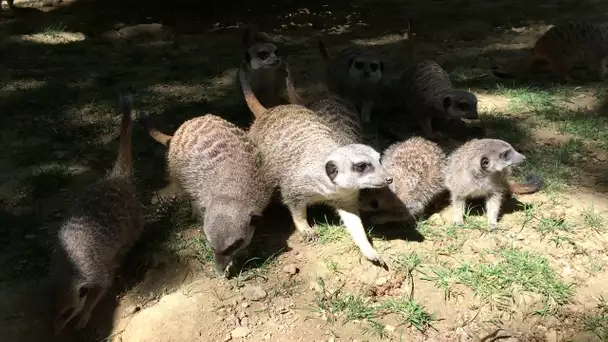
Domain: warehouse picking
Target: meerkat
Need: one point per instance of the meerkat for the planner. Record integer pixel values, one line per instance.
(429, 94)
(354, 74)
(309, 163)
(565, 45)
(102, 227)
(264, 69)
(339, 113)
(481, 168)
(417, 169)
(9, 3)
(218, 168)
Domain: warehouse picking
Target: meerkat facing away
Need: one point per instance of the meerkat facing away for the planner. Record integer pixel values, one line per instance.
(218, 167)
(356, 74)
(417, 169)
(102, 227)
(481, 168)
(264, 69)
(429, 94)
(339, 113)
(565, 45)
(310, 165)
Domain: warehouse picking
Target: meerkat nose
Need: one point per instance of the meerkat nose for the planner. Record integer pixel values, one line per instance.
(388, 180)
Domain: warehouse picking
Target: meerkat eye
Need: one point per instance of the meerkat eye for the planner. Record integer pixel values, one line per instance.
(463, 106)
(505, 154)
(263, 55)
(362, 167)
(373, 67)
(276, 52)
(359, 65)
(485, 162)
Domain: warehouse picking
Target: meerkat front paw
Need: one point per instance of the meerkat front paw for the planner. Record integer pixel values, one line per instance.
(373, 256)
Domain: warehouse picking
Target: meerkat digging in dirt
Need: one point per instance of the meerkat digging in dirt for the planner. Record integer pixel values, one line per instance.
(218, 167)
(481, 168)
(309, 165)
(101, 229)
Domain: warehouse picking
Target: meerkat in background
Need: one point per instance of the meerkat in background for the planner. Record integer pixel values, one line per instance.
(417, 169)
(481, 168)
(429, 94)
(102, 227)
(264, 69)
(565, 45)
(310, 164)
(218, 167)
(354, 74)
(339, 113)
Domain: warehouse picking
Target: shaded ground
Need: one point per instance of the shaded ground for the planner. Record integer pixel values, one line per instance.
(540, 278)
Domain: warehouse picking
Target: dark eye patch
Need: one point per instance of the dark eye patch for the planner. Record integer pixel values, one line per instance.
(362, 167)
(506, 154)
(359, 65)
(233, 247)
(373, 66)
(263, 55)
(374, 204)
(463, 106)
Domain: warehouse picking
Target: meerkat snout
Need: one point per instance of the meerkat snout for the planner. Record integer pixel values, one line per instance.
(461, 104)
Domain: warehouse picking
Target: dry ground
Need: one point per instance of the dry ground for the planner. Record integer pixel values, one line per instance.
(538, 279)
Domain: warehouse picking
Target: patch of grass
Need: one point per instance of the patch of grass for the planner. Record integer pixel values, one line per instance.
(549, 225)
(55, 29)
(592, 219)
(45, 182)
(507, 128)
(330, 233)
(406, 262)
(586, 126)
(332, 266)
(517, 269)
(598, 323)
(534, 98)
(410, 312)
(561, 241)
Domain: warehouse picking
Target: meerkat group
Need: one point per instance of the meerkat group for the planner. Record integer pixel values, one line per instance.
(308, 150)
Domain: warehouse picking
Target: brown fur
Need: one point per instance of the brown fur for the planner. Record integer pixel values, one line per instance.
(101, 228)
(565, 45)
(417, 169)
(481, 168)
(218, 167)
(310, 163)
(338, 113)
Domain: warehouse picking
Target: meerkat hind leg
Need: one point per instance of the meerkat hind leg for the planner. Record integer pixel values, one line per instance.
(355, 228)
(298, 215)
(493, 204)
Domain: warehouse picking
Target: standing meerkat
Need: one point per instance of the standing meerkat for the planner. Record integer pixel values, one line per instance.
(429, 93)
(417, 169)
(565, 45)
(339, 113)
(354, 74)
(102, 227)
(264, 69)
(218, 167)
(481, 168)
(312, 164)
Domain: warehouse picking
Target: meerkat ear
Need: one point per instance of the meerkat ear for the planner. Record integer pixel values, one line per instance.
(331, 169)
(350, 62)
(484, 163)
(447, 102)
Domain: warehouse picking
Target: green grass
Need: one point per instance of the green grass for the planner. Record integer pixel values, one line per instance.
(598, 323)
(409, 312)
(548, 225)
(494, 281)
(330, 233)
(592, 219)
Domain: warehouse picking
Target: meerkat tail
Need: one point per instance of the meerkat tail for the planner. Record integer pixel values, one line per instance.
(292, 93)
(252, 101)
(323, 51)
(532, 184)
(123, 166)
(157, 135)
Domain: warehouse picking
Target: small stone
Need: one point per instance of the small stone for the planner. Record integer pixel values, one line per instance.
(381, 281)
(254, 293)
(290, 269)
(240, 332)
(390, 328)
(244, 305)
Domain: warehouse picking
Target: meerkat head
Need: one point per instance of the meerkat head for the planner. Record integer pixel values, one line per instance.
(460, 104)
(356, 166)
(260, 54)
(229, 226)
(365, 68)
(498, 156)
(69, 297)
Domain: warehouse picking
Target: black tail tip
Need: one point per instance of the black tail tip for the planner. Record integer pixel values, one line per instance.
(534, 180)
